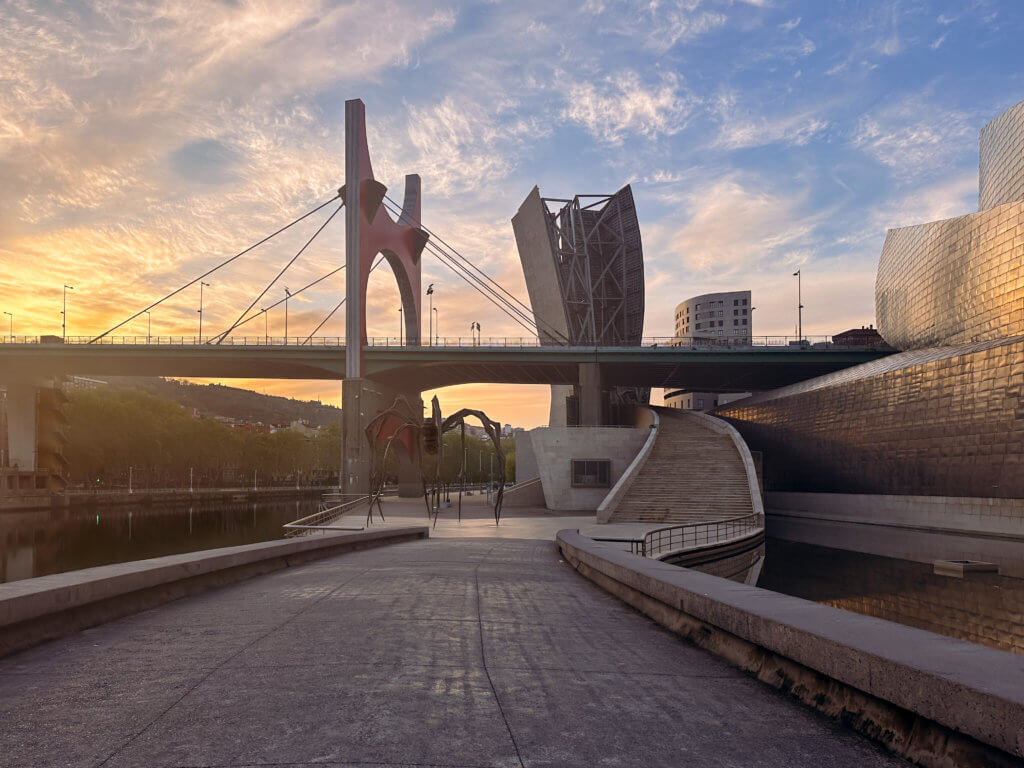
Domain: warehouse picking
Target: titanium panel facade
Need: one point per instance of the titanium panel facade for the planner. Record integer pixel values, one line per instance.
(953, 281)
(1001, 164)
(939, 422)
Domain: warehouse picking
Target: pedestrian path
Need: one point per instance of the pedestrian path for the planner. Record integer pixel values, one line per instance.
(441, 652)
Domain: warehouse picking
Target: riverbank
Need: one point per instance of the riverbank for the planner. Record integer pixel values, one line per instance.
(153, 497)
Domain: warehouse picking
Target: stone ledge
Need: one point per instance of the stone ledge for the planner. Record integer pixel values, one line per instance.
(933, 699)
(46, 607)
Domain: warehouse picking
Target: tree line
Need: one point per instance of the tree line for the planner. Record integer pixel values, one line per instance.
(117, 434)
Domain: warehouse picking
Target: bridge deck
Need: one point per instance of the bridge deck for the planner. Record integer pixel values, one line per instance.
(702, 368)
(447, 652)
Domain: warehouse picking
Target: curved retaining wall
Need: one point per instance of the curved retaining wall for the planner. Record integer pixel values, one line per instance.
(933, 699)
(47, 607)
(618, 491)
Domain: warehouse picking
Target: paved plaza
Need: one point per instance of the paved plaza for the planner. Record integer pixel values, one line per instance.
(441, 652)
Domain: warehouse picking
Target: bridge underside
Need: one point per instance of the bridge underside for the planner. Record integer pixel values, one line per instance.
(426, 368)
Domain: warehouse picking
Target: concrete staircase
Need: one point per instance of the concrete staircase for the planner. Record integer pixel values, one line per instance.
(692, 474)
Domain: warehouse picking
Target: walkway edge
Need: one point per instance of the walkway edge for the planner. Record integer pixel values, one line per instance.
(35, 610)
(935, 700)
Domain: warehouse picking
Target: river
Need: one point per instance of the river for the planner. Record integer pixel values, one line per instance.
(39, 543)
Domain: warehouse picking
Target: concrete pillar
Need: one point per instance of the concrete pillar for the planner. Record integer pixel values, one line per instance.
(357, 408)
(21, 423)
(557, 414)
(361, 400)
(590, 395)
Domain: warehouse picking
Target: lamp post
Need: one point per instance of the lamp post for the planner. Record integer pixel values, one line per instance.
(437, 325)
(287, 295)
(472, 334)
(64, 314)
(799, 308)
(400, 343)
(430, 315)
(149, 326)
(12, 325)
(201, 286)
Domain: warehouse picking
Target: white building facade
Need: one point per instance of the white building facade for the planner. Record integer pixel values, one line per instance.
(726, 316)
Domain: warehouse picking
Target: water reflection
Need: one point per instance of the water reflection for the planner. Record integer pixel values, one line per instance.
(53, 541)
(986, 608)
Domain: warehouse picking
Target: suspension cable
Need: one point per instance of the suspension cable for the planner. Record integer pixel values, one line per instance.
(337, 307)
(490, 296)
(515, 302)
(277, 277)
(224, 263)
(520, 316)
(279, 302)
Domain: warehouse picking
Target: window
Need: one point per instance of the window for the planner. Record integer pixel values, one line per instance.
(721, 313)
(735, 322)
(744, 321)
(721, 323)
(700, 402)
(744, 312)
(744, 302)
(698, 326)
(591, 473)
(735, 312)
(735, 302)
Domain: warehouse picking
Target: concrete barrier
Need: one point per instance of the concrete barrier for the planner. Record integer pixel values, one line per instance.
(611, 502)
(35, 610)
(935, 700)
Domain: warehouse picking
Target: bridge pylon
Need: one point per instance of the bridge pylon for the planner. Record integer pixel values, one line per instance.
(369, 230)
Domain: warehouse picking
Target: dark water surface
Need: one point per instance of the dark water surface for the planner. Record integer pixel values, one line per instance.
(985, 608)
(53, 541)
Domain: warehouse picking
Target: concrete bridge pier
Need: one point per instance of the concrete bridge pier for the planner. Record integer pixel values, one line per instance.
(361, 400)
(590, 396)
(21, 423)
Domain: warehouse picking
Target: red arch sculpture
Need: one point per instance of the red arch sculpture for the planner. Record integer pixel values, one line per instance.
(371, 230)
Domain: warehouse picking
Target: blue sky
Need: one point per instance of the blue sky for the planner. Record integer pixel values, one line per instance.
(140, 143)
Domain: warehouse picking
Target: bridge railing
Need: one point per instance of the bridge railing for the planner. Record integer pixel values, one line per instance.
(697, 343)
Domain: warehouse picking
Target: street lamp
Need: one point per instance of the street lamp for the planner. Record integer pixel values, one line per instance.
(799, 308)
(430, 315)
(12, 325)
(149, 326)
(287, 295)
(400, 343)
(266, 327)
(64, 314)
(201, 286)
(437, 325)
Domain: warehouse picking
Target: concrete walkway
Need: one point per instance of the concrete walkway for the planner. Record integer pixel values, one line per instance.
(447, 652)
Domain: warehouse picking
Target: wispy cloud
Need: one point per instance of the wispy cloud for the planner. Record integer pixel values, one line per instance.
(914, 137)
(622, 105)
(740, 130)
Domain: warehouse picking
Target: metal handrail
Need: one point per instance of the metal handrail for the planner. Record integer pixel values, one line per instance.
(324, 514)
(676, 538)
(669, 343)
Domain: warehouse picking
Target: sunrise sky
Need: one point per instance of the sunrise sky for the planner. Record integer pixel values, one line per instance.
(143, 142)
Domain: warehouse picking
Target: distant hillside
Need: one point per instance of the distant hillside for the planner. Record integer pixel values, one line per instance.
(232, 402)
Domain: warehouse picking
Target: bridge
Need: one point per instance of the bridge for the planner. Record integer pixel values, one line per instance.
(669, 362)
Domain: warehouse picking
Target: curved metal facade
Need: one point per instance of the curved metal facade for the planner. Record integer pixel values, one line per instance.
(937, 422)
(953, 281)
(1001, 165)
